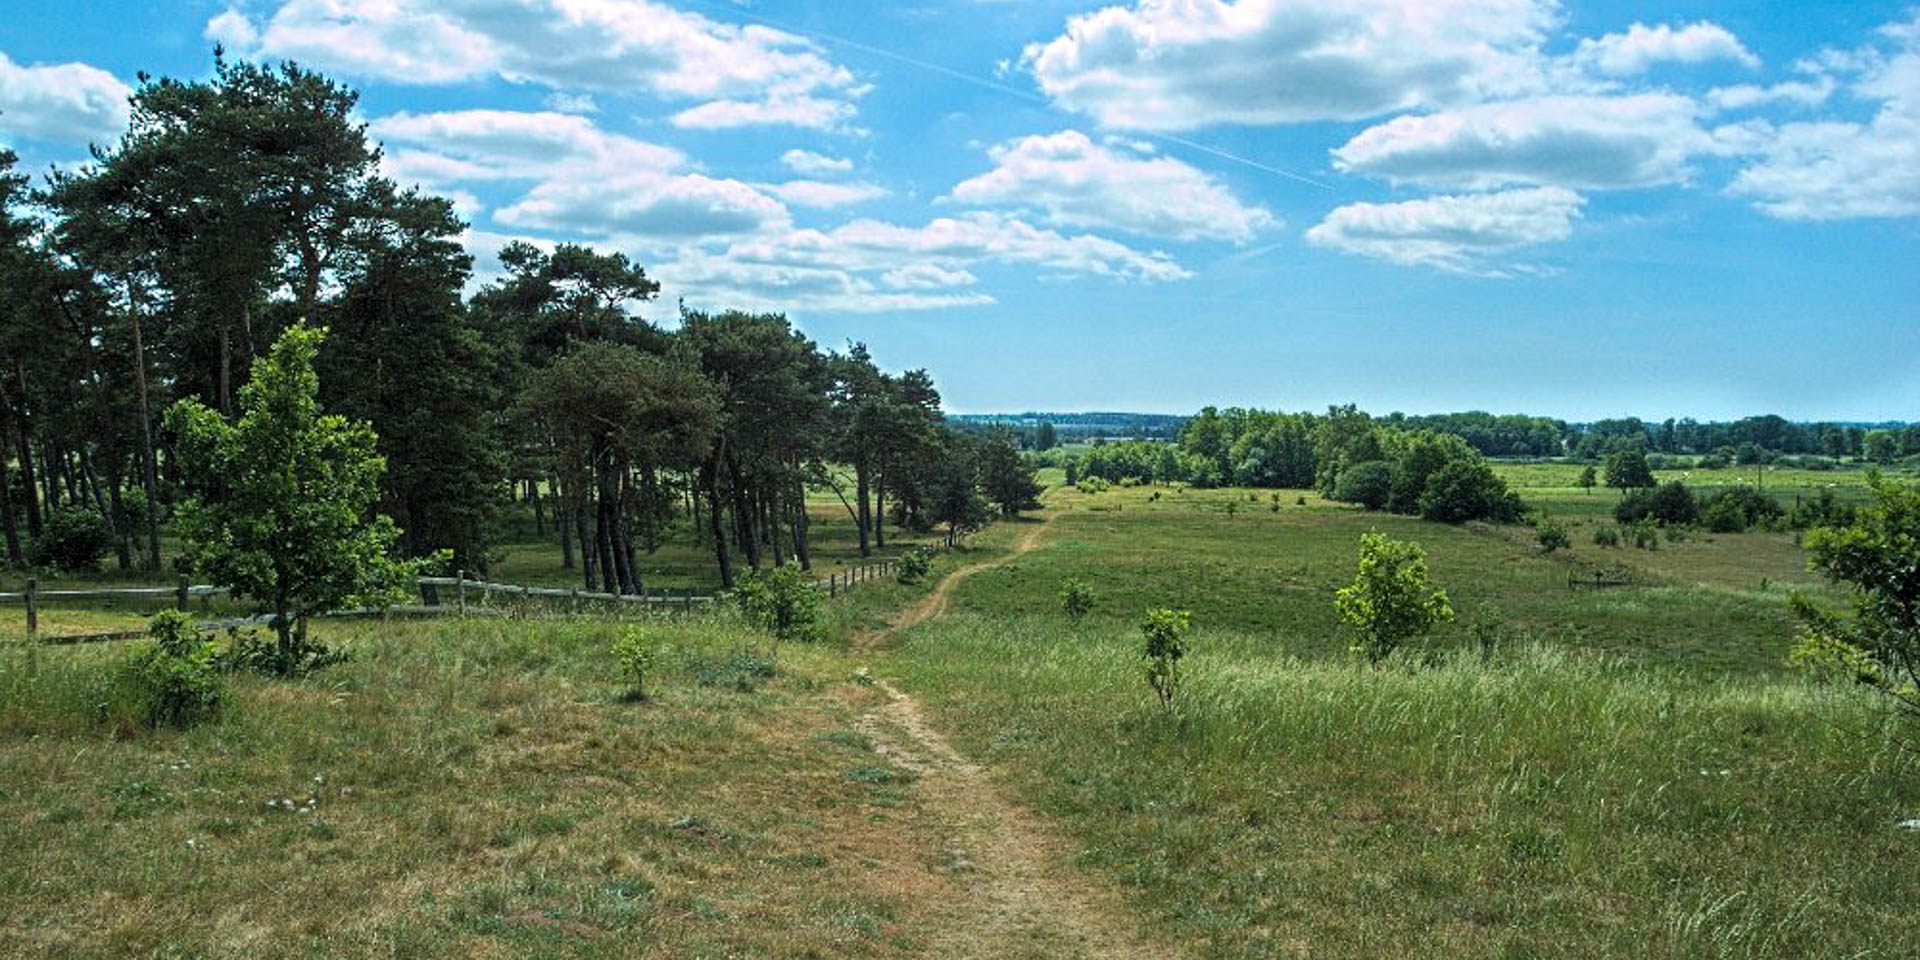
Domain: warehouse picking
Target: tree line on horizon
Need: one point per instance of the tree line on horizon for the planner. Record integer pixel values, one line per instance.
(240, 206)
(1749, 440)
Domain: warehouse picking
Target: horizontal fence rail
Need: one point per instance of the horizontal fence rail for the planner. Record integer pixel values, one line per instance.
(486, 595)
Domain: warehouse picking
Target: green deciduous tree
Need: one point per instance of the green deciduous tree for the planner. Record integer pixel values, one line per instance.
(1391, 600)
(281, 500)
(1878, 557)
(1628, 470)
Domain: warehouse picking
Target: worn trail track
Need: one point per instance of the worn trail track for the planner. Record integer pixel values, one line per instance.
(1023, 897)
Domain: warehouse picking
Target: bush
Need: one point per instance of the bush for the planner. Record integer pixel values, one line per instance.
(637, 653)
(1644, 534)
(1673, 504)
(1391, 599)
(1166, 635)
(1606, 537)
(1076, 598)
(1737, 508)
(1824, 510)
(254, 652)
(1368, 484)
(913, 566)
(1552, 536)
(782, 602)
(73, 539)
(1669, 503)
(174, 681)
(1468, 490)
(1875, 557)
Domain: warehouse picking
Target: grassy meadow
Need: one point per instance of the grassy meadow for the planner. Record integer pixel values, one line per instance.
(478, 789)
(1625, 772)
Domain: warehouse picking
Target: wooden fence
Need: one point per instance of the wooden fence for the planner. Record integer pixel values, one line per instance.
(468, 598)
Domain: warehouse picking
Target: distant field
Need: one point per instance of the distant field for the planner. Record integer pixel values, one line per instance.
(1714, 602)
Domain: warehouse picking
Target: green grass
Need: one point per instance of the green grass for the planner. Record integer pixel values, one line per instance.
(460, 790)
(1631, 773)
(1545, 803)
(1712, 602)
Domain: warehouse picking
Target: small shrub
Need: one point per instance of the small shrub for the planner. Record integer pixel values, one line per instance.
(73, 540)
(1606, 536)
(1644, 535)
(1736, 508)
(1166, 636)
(739, 671)
(1076, 598)
(1391, 599)
(173, 682)
(1300, 501)
(1552, 536)
(637, 653)
(913, 567)
(251, 651)
(781, 602)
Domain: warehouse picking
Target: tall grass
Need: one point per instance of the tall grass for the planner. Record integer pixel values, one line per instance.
(1537, 802)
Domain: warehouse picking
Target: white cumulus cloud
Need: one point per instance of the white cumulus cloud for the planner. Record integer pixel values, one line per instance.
(585, 180)
(1070, 180)
(1185, 64)
(64, 103)
(1468, 233)
(1835, 170)
(1583, 142)
(809, 164)
(742, 74)
(1638, 49)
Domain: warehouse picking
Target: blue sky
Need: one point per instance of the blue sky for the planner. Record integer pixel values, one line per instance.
(1580, 209)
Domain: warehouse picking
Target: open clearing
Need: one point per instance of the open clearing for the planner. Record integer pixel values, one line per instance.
(1627, 772)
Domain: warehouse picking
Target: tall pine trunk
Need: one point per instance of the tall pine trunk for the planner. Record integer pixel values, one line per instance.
(148, 484)
(861, 490)
(14, 557)
(581, 497)
(801, 549)
(710, 479)
(560, 523)
(122, 546)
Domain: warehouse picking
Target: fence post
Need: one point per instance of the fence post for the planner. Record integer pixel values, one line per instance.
(833, 584)
(180, 595)
(575, 606)
(689, 607)
(460, 591)
(33, 606)
(526, 602)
